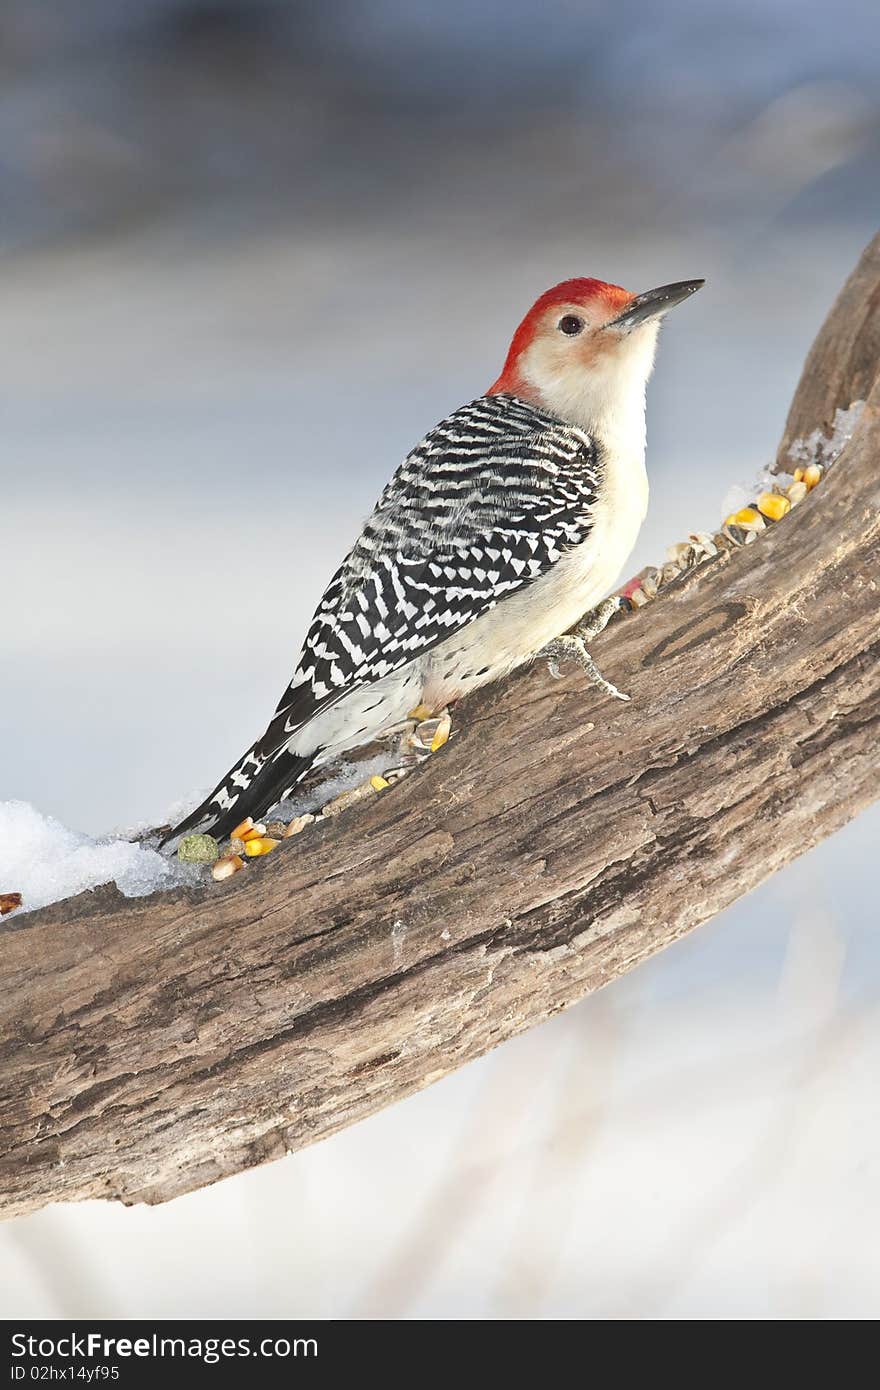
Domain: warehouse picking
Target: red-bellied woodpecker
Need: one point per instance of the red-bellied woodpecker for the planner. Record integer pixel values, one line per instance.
(509, 521)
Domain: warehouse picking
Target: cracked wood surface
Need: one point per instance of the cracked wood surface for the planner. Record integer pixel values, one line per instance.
(153, 1045)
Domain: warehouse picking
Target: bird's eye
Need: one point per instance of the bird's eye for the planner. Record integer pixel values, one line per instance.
(571, 325)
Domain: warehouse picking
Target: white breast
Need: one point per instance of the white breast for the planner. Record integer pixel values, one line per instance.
(617, 516)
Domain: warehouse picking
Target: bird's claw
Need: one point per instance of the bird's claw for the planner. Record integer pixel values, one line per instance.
(573, 648)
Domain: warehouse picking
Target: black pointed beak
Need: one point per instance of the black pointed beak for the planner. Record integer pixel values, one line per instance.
(654, 303)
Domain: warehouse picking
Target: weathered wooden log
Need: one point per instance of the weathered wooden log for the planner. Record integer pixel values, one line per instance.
(150, 1046)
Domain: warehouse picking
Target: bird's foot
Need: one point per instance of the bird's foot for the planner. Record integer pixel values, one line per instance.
(573, 647)
(596, 621)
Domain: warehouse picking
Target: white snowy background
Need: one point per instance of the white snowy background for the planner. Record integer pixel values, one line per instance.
(250, 252)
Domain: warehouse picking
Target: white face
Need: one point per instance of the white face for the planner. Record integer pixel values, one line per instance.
(586, 370)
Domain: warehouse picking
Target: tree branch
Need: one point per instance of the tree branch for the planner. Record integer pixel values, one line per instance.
(842, 365)
(155, 1045)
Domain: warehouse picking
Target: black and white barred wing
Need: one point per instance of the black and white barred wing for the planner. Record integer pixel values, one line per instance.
(488, 502)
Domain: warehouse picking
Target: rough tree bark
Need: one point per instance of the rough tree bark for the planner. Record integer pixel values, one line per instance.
(151, 1046)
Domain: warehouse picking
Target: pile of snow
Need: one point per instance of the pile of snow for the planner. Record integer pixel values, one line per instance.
(819, 448)
(45, 862)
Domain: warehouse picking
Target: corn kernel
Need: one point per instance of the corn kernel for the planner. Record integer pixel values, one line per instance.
(242, 828)
(256, 832)
(441, 735)
(227, 866)
(797, 492)
(262, 844)
(812, 475)
(748, 518)
(378, 783)
(298, 825)
(799, 475)
(771, 505)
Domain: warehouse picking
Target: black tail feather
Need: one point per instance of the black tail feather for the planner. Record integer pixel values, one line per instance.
(251, 788)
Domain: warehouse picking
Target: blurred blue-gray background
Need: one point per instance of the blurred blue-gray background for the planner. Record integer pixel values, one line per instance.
(250, 252)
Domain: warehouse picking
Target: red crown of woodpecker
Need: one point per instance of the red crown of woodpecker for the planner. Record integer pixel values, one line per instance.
(588, 293)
